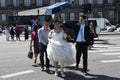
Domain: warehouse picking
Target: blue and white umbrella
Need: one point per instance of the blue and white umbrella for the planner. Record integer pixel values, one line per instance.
(57, 7)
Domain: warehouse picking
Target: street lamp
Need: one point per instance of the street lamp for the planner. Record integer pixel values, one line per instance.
(15, 17)
(38, 12)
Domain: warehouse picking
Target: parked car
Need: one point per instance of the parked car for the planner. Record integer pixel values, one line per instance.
(69, 28)
(117, 25)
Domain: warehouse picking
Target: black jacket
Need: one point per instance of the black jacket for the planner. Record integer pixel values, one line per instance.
(87, 34)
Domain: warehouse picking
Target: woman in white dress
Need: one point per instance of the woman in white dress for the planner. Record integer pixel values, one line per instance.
(7, 32)
(58, 49)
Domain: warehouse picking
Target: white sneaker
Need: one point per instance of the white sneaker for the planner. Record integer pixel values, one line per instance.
(56, 73)
(63, 74)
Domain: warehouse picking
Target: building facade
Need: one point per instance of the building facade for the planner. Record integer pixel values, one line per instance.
(109, 9)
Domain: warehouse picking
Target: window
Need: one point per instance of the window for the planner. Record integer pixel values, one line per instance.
(90, 15)
(3, 3)
(90, 1)
(81, 2)
(72, 16)
(52, 1)
(81, 13)
(110, 1)
(63, 16)
(99, 14)
(15, 3)
(100, 1)
(27, 2)
(62, 0)
(39, 2)
(3, 17)
(72, 1)
(111, 14)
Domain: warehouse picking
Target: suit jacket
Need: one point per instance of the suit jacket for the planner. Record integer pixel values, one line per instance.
(86, 33)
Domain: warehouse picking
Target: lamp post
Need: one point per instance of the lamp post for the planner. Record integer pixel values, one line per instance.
(16, 17)
(38, 12)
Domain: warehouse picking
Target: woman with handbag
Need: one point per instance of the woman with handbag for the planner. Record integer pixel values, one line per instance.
(34, 40)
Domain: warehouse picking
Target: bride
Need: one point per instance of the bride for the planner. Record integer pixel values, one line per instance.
(58, 49)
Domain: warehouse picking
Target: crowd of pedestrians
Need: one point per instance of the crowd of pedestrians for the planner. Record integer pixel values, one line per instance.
(15, 31)
(52, 44)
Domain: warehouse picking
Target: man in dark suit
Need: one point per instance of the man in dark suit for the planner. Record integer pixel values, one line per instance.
(82, 39)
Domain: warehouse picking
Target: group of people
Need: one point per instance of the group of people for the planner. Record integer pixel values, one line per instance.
(57, 51)
(12, 31)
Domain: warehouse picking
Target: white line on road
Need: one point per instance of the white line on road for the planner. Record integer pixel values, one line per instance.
(104, 51)
(111, 53)
(16, 74)
(108, 61)
(105, 47)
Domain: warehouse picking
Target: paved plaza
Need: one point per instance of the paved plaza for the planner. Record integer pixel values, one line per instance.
(103, 61)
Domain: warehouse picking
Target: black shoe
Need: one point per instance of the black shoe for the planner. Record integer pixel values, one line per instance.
(48, 71)
(42, 69)
(76, 67)
(85, 73)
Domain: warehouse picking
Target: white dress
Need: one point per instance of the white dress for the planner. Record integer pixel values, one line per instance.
(59, 49)
(7, 33)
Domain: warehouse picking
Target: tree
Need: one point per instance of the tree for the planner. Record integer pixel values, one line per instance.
(86, 8)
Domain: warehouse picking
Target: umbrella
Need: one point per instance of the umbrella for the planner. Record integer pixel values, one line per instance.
(57, 7)
(32, 12)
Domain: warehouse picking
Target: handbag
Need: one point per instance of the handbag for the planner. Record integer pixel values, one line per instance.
(30, 54)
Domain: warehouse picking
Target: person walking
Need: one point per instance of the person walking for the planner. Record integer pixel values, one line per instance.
(7, 32)
(12, 32)
(82, 39)
(17, 32)
(43, 41)
(26, 33)
(0, 30)
(34, 41)
(93, 34)
(59, 51)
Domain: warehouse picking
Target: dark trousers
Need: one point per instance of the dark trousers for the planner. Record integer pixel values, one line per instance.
(42, 50)
(81, 49)
(92, 40)
(12, 36)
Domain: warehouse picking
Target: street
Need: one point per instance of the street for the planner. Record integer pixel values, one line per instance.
(103, 61)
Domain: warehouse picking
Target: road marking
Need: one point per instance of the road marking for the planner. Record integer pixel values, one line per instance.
(104, 51)
(105, 47)
(114, 47)
(16, 74)
(108, 61)
(111, 53)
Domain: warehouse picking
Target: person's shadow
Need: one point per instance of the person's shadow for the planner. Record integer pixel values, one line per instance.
(75, 76)
(71, 75)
